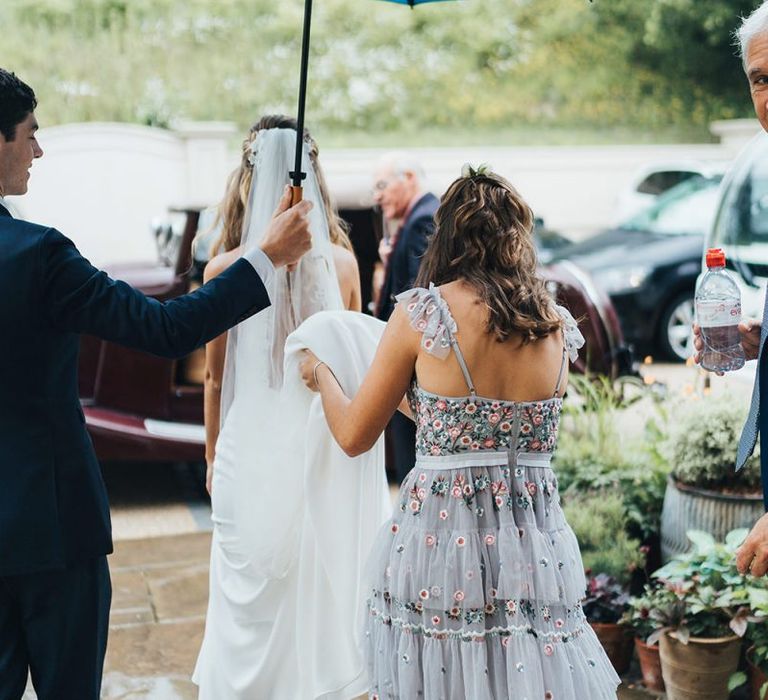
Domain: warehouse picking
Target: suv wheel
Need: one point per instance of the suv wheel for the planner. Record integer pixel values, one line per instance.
(675, 334)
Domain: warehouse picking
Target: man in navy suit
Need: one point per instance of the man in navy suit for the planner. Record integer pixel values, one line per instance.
(752, 556)
(399, 190)
(54, 517)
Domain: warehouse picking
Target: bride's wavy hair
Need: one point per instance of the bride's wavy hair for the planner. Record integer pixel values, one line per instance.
(231, 214)
(484, 236)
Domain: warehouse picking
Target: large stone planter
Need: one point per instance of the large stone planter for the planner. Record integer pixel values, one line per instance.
(689, 508)
(700, 669)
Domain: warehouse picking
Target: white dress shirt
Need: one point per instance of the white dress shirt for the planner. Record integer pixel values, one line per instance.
(263, 266)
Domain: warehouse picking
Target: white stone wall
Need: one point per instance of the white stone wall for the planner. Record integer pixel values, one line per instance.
(103, 184)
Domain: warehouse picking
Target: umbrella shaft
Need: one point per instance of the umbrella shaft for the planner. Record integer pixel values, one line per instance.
(297, 174)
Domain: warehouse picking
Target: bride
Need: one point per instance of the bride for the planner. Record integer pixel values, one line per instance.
(253, 434)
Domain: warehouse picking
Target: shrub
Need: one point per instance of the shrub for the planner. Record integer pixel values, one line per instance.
(597, 520)
(702, 445)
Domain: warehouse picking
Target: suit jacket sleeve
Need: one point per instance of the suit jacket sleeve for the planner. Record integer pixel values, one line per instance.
(79, 298)
(418, 238)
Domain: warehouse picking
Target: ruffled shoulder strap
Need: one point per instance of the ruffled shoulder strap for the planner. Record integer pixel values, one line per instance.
(429, 315)
(574, 340)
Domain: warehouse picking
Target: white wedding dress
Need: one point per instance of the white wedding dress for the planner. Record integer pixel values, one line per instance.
(294, 518)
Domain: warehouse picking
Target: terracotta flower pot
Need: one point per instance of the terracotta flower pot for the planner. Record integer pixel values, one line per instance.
(617, 643)
(650, 665)
(700, 669)
(757, 677)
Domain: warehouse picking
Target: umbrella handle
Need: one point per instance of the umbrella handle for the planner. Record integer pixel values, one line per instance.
(296, 194)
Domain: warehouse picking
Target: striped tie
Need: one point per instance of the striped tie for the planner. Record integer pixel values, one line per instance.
(749, 433)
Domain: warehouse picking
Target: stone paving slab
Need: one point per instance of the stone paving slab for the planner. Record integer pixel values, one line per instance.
(158, 616)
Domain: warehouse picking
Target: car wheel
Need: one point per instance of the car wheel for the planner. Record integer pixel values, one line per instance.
(675, 334)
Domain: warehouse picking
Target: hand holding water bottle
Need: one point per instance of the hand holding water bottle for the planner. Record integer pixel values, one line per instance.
(721, 340)
(750, 339)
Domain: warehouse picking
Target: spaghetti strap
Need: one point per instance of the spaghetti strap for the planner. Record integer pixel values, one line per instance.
(561, 372)
(463, 365)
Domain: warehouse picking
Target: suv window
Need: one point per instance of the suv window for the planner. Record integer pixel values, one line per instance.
(657, 183)
(743, 218)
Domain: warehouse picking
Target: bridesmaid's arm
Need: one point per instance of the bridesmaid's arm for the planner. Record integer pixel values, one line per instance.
(357, 423)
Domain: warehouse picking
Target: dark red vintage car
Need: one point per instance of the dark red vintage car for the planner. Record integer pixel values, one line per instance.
(141, 407)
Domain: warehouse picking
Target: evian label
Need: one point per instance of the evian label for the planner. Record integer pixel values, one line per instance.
(713, 314)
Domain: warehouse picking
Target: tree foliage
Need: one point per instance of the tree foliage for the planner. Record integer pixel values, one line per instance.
(378, 66)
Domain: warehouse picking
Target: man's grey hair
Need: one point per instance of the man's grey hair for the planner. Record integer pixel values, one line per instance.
(751, 27)
(402, 162)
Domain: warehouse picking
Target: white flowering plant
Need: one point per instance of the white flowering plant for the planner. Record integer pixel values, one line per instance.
(702, 443)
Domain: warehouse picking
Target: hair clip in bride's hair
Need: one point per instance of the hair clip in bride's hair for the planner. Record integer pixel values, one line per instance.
(254, 150)
(255, 147)
(468, 170)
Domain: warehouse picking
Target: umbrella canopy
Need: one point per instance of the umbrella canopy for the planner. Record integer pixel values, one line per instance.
(412, 2)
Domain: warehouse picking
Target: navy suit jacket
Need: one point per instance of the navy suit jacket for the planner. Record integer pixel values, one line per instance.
(405, 259)
(53, 504)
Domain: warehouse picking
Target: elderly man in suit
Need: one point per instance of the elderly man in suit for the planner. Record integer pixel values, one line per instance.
(54, 517)
(399, 190)
(752, 556)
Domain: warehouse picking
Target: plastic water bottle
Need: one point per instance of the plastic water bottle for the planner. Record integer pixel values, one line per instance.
(718, 313)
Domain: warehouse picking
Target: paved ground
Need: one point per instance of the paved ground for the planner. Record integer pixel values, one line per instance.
(160, 566)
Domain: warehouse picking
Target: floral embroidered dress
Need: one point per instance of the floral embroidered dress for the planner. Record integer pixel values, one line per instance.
(476, 581)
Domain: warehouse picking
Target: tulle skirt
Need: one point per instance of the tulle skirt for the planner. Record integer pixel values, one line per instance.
(474, 592)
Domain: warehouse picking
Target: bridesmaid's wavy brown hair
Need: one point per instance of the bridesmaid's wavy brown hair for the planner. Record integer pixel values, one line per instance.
(484, 236)
(232, 209)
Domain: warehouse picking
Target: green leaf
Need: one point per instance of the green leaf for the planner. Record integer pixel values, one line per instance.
(763, 690)
(758, 598)
(735, 537)
(736, 680)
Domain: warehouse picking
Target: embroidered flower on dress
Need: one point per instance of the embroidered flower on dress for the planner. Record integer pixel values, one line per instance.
(458, 596)
(424, 594)
(443, 515)
(549, 649)
(395, 527)
(490, 540)
(460, 541)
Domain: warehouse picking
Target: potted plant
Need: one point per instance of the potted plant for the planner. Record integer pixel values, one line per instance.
(594, 456)
(610, 557)
(757, 636)
(703, 623)
(604, 604)
(704, 492)
(645, 615)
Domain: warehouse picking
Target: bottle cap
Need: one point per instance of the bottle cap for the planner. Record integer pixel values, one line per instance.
(715, 257)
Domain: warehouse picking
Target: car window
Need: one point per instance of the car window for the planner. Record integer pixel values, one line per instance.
(659, 182)
(749, 215)
(686, 209)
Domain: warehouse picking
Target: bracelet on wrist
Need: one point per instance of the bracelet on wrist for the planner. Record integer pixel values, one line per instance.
(314, 372)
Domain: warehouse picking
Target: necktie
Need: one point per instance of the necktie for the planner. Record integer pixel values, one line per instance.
(750, 430)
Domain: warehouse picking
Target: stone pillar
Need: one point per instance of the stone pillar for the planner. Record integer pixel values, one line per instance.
(209, 159)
